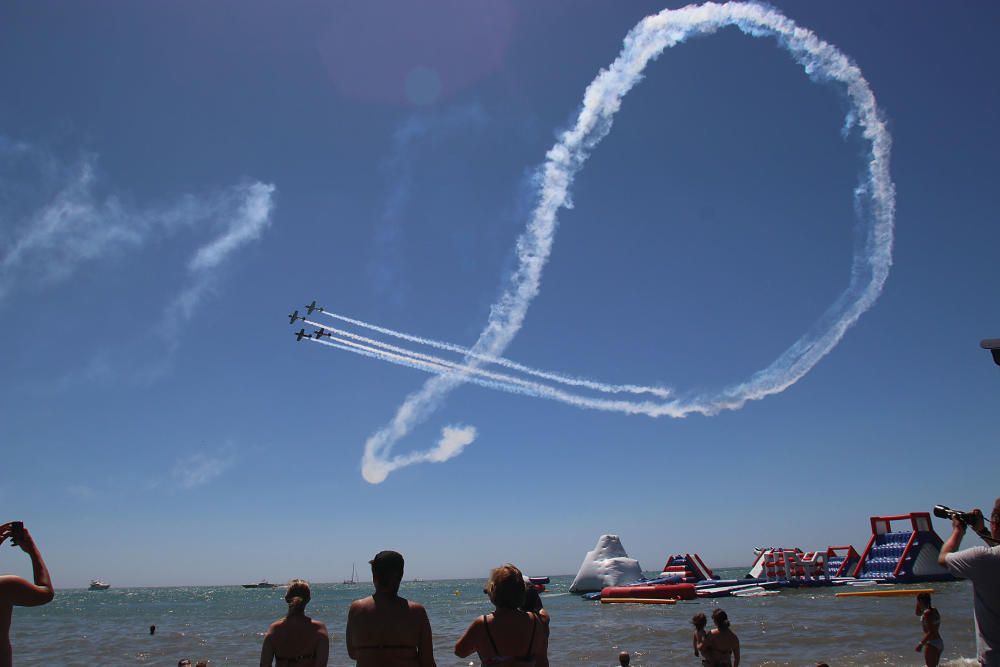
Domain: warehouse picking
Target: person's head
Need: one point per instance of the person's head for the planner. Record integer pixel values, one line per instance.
(183, 662)
(387, 571)
(297, 596)
(532, 600)
(699, 621)
(202, 663)
(623, 658)
(720, 618)
(923, 602)
(506, 587)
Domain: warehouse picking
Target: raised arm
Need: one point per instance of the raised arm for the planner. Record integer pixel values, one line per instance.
(954, 541)
(467, 643)
(19, 591)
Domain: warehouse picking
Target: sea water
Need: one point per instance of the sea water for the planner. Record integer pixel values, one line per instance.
(225, 625)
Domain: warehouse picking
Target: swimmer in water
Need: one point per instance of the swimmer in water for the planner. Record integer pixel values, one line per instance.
(930, 621)
(721, 647)
(699, 622)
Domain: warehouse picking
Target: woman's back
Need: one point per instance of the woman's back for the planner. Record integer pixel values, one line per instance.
(510, 635)
(515, 637)
(295, 641)
(723, 645)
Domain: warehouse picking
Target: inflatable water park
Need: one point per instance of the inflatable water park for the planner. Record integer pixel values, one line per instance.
(902, 549)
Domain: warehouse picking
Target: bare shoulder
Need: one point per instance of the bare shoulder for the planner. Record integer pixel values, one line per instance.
(320, 627)
(361, 605)
(417, 609)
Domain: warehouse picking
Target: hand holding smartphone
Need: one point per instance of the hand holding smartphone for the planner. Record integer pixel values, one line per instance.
(16, 532)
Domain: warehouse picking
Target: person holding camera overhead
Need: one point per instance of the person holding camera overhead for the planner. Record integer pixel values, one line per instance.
(981, 566)
(17, 591)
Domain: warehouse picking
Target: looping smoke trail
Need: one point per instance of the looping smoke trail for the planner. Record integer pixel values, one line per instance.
(602, 99)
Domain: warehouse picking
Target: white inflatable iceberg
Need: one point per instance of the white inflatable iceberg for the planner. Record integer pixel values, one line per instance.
(606, 565)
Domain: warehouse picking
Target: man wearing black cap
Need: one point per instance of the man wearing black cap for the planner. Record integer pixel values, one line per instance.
(385, 630)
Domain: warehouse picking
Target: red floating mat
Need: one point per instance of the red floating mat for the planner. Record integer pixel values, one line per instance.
(655, 591)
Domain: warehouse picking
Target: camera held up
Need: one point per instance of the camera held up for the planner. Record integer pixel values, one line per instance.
(945, 512)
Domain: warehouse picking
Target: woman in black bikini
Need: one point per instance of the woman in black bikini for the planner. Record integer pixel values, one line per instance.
(296, 640)
(509, 635)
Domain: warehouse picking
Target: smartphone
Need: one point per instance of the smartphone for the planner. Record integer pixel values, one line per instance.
(16, 532)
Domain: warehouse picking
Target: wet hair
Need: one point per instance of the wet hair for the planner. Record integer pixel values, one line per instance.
(506, 587)
(623, 658)
(720, 618)
(925, 598)
(699, 621)
(297, 596)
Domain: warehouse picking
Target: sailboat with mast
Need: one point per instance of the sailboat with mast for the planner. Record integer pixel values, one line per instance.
(353, 579)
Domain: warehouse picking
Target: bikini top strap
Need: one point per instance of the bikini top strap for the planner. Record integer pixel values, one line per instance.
(486, 624)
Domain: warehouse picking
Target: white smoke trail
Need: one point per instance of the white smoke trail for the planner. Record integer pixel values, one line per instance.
(602, 99)
(376, 349)
(662, 392)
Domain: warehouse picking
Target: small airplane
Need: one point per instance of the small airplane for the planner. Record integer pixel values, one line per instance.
(312, 306)
(300, 334)
(993, 345)
(294, 315)
(319, 333)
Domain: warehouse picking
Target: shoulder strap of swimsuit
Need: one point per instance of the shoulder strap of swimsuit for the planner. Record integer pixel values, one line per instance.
(534, 626)
(486, 624)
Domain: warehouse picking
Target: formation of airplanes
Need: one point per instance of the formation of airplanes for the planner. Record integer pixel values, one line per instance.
(301, 333)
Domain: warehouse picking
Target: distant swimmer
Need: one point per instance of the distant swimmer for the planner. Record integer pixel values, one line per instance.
(624, 658)
(384, 629)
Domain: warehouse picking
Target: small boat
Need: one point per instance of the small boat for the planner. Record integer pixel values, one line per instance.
(353, 579)
(263, 583)
(98, 585)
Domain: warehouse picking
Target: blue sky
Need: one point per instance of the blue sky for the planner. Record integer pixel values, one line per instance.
(174, 179)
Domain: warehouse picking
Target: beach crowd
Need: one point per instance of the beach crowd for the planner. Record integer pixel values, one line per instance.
(386, 630)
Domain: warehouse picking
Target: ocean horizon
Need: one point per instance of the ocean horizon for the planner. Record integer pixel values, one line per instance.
(225, 625)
